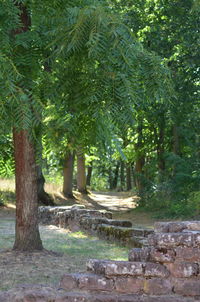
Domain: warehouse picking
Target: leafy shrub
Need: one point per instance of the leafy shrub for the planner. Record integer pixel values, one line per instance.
(193, 203)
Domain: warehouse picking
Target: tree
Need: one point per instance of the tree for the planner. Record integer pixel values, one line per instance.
(170, 29)
(68, 174)
(114, 73)
(27, 235)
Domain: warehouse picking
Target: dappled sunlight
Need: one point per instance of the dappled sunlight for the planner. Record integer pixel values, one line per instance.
(115, 202)
(11, 206)
(78, 235)
(7, 184)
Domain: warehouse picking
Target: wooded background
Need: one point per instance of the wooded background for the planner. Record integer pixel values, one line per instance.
(104, 95)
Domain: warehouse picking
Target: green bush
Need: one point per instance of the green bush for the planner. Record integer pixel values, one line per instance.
(193, 203)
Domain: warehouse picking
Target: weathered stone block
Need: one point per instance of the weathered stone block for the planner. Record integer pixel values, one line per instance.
(72, 297)
(95, 283)
(103, 298)
(168, 298)
(193, 225)
(114, 232)
(122, 223)
(63, 219)
(116, 268)
(29, 293)
(161, 227)
(157, 286)
(129, 285)
(187, 287)
(139, 254)
(177, 227)
(155, 270)
(73, 224)
(170, 240)
(196, 239)
(124, 268)
(56, 218)
(170, 227)
(78, 212)
(138, 242)
(183, 269)
(162, 255)
(115, 298)
(188, 254)
(130, 298)
(96, 266)
(69, 281)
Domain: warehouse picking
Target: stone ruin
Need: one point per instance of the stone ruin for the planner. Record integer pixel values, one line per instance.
(95, 222)
(167, 270)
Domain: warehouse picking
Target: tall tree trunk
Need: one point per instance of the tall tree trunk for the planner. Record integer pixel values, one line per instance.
(27, 237)
(140, 160)
(128, 177)
(89, 174)
(81, 174)
(116, 174)
(122, 177)
(68, 175)
(43, 196)
(139, 164)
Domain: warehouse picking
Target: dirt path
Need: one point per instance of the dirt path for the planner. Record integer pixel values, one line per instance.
(111, 201)
(122, 204)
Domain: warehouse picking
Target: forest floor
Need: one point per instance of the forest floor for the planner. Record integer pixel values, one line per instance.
(70, 253)
(71, 250)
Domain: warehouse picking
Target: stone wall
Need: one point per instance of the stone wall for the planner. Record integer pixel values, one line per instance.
(168, 270)
(95, 222)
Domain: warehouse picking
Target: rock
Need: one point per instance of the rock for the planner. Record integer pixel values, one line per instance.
(157, 286)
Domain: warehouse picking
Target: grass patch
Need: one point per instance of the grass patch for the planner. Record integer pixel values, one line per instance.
(83, 246)
(76, 249)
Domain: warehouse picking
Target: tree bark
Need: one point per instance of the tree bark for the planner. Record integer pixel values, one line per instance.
(140, 160)
(139, 164)
(116, 174)
(43, 197)
(89, 175)
(81, 175)
(68, 175)
(128, 177)
(122, 177)
(27, 237)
